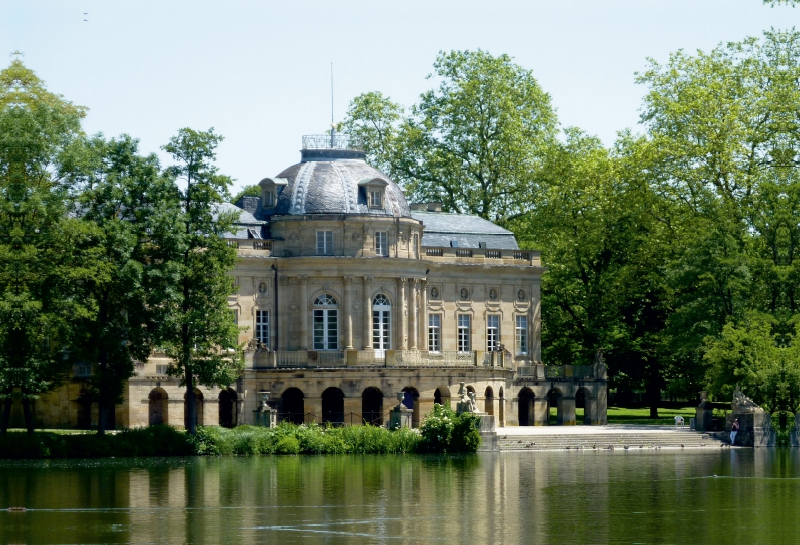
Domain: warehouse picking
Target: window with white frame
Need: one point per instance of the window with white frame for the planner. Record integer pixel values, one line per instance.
(415, 245)
(376, 198)
(435, 332)
(522, 334)
(464, 344)
(262, 327)
(382, 243)
(381, 322)
(269, 199)
(324, 242)
(326, 323)
(492, 333)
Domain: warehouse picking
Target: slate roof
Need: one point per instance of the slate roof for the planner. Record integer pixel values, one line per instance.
(468, 231)
(247, 226)
(331, 187)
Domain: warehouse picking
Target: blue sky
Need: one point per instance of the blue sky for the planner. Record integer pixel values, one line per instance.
(258, 71)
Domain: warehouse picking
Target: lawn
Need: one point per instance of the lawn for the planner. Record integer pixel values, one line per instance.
(620, 415)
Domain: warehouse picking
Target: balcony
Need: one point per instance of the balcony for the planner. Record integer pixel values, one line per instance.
(557, 372)
(483, 256)
(252, 246)
(332, 359)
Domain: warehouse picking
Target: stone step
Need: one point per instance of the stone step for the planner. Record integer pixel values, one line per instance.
(605, 440)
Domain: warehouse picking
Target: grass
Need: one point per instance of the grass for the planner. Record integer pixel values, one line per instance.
(622, 415)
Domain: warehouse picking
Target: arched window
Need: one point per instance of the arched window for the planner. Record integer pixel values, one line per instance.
(381, 322)
(326, 323)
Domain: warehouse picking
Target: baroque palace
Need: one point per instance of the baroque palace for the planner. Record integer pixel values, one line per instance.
(351, 296)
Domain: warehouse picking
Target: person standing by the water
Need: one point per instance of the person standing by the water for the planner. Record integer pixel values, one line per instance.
(734, 430)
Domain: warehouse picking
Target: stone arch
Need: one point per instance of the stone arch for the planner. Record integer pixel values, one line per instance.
(411, 401)
(372, 406)
(526, 416)
(488, 401)
(442, 396)
(228, 415)
(198, 408)
(158, 407)
(292, 406)
(583, 400)
(555, 398)
(333, 406)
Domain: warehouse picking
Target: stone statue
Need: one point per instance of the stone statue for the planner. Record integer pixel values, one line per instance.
(473, 403)
(743, 404)
(464, 403)
(600, 369)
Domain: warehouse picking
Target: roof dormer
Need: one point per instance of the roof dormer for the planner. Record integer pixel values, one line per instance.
(375, 191)
(270, 190)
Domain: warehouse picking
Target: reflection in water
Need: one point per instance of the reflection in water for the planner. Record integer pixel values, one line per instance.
(571, 497)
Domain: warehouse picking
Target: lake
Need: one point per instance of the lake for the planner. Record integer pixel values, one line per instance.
(666, 496)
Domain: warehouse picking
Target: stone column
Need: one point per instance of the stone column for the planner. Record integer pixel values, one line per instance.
(352, 411)
(566, 411)
(367, 280)
(347, 314)
(401, 311)
(535, 325)
(540, 416)
(413, 311)
(313, 410)
(423, 315)
(303, 311)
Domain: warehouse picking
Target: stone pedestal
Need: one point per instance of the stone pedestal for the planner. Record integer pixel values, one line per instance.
(265, 417)
(487, 422)
(400, 417)
(704, 416)
(755, 428)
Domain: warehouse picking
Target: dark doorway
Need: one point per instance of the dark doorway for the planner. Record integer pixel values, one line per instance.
(158, 407)
(372, 406)
(488, 402)
(292, 406)
(198, 408)
(333, 406)
(553, 400)
(227, 408)
(411, 401)
(525, 407)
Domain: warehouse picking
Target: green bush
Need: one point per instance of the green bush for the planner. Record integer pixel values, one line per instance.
(445, 431)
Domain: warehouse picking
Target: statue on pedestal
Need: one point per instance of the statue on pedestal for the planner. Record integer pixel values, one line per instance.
(743, 404)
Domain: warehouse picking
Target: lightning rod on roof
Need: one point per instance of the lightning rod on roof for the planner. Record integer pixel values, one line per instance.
(333, 127)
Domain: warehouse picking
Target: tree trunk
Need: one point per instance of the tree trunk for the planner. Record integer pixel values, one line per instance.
(26, 409)
(653, 393)
(191, 409)
(102, 416)
(6, 415)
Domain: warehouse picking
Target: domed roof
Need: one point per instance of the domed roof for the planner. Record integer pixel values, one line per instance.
(336, 181)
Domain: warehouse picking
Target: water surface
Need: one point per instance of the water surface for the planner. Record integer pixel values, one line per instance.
(719, 496)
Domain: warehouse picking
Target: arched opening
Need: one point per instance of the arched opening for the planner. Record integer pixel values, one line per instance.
(292, 407)
(411, 401)
(555, 417)
(333, 406)
(488, 402)
(198, 408)
(158, 407)
(501, 410)
(583, 401)
(227, 408)
(372, 406)
(84, 411)
(326, 323)
(381, 323)
(442, 396)
(526, 415)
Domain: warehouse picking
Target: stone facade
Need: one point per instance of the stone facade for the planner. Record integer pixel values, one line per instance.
(349, 296)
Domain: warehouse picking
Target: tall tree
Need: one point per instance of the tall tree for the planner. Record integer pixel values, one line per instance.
(197, 328)
(476, 143)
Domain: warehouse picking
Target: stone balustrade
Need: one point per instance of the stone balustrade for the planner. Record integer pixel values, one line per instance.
(305, 359)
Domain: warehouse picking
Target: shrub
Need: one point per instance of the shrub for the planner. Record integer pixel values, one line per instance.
(445, 431)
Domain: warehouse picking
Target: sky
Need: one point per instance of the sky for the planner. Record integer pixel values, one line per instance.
(259, 71)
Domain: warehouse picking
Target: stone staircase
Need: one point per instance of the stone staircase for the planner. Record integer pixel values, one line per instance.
(631, 440)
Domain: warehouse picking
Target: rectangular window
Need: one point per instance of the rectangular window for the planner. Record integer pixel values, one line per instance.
(415, 245)
(376, 198)
(435, 332)
(492, 333)
(522, 334)
(262, 328)
(269, 199)
(324, 242)
(382, 243)
(463, 333)
(326, 329)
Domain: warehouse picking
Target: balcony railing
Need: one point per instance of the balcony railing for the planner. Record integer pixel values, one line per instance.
(510, 257)
(303, 359)
(557, 372)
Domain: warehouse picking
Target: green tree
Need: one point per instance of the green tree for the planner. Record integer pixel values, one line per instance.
(197, 328)
(476, 143)
(247, 191)
(35, 128)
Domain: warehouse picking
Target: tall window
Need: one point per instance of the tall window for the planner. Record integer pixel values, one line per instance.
(326, 323)
(463, 333)
(324, 242)
(522, 334)
(382, 243)
(375, 198)
(415, 245)
(492, 333)
(381, 322)
(269, 199)
(435, 332)
(262, 327)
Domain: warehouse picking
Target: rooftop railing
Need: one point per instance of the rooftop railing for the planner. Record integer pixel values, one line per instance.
(329, 141)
